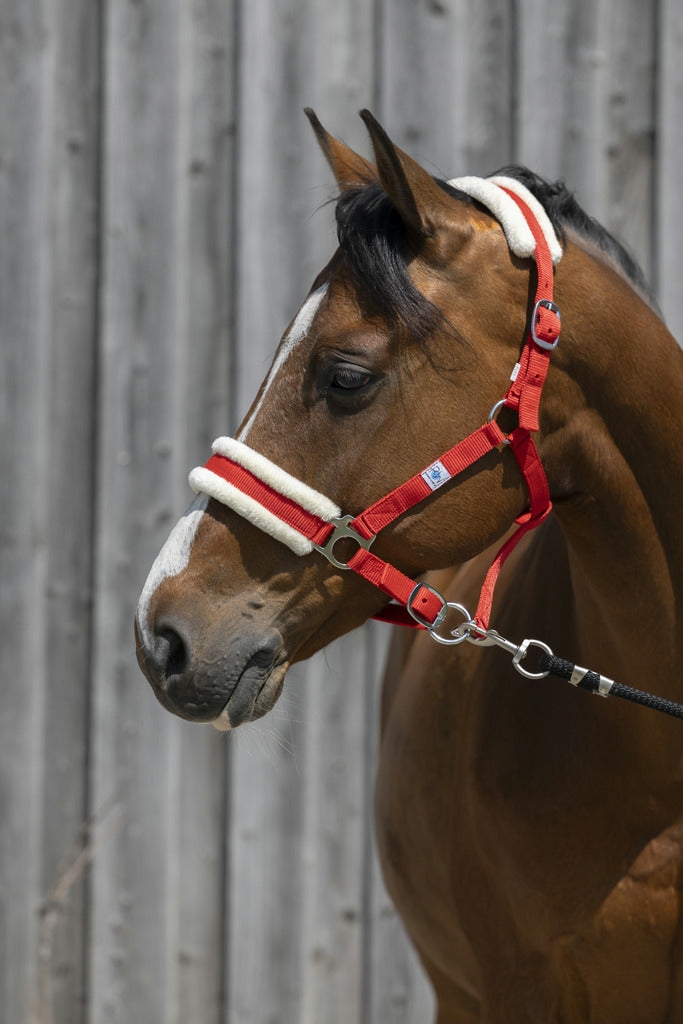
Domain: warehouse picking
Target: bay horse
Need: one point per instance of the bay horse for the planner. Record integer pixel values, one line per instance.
(531, 835)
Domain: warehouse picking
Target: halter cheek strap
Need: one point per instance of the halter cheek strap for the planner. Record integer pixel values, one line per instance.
(305, 520)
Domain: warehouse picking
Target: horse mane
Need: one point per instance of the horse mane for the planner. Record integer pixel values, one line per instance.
(372, 238)
(559, 202)
(373, 241)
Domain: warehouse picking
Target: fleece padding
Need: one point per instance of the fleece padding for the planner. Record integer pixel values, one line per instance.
(204, 481)
(489, 192)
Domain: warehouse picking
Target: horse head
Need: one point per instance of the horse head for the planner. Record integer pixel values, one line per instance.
(403, 345)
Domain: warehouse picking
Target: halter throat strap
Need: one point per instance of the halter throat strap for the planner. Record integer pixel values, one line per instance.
(307, 521)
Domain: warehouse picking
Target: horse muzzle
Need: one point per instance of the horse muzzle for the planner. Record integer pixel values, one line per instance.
(236, 684)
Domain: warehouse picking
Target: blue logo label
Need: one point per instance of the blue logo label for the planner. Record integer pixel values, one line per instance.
(435, 475)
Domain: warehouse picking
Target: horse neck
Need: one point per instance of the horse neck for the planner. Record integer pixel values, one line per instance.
(624, 444)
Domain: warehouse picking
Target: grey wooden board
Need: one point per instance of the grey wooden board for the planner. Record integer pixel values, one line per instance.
(301, 827)
(160, 195)
(157, 914)
(48, 173)
(669, 202)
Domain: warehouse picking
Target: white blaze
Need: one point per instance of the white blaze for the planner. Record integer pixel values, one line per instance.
(175, 554)
(296, 334)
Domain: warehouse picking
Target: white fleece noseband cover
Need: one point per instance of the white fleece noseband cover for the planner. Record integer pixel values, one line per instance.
(203, 481)
(489, 192)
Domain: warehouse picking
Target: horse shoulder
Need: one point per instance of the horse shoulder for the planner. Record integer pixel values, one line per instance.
(628, 964)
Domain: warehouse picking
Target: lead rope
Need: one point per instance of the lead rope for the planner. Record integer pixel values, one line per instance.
(550, 664)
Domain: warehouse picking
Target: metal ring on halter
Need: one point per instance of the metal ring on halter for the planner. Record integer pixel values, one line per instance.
(342, 530)
(492, 416)
(521, 654)
(458, 635)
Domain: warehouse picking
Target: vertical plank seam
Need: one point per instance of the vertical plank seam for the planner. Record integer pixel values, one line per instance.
(378, 21)
(232, 369)
(515, 80)
(655, 191)
(99, 243)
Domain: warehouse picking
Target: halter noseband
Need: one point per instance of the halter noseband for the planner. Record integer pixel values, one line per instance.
(305, 520)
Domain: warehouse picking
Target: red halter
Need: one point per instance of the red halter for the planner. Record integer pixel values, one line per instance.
(419, 605)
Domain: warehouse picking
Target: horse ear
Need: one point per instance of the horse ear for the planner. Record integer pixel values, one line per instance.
(349, 169)
(424, 206)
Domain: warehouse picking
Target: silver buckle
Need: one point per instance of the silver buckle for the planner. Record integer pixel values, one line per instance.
(546, 304)
(416, 615)
(342, 530)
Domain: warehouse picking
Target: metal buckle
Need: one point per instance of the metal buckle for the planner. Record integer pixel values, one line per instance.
(419, 618)
(546, 304)
(342, 530)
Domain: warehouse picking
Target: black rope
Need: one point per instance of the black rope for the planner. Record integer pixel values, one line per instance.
(596, 683)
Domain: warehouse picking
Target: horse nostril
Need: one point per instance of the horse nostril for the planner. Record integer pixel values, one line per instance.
(163, 655)
(171, 653)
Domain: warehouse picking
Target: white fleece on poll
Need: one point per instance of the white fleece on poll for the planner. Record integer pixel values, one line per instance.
(539, 213)
(517, 232)
(204, 481)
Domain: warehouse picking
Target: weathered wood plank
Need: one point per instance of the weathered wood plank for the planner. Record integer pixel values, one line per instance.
(669, 204)
(299, 827)
(592, 66)
(447, 83)
(48, 179)
(630, 145)
(23, 554)
(544, 81)
(132, 745)
(164, 353)
(204, 268)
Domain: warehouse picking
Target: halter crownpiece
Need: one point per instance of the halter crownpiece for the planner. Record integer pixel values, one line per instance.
(305, 520)
(494, 194)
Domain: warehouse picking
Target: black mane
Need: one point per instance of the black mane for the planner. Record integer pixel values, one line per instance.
(564, 212)
(372, 238)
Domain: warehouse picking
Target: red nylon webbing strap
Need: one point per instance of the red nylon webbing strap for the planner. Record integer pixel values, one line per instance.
(316, 529)
(410, 493)
(531, 468)
(483, 613)
(395, 584)
(525, 392)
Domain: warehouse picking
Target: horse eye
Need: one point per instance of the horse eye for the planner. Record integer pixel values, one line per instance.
(346, 378)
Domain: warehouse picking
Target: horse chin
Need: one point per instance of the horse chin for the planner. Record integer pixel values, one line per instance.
(252, 698)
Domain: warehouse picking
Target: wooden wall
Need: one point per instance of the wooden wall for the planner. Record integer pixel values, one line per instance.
(159, 213)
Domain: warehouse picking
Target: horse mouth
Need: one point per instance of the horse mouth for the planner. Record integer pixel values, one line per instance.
(257, 690)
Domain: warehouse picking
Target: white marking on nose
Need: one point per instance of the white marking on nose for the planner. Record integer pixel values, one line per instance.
(222, 723)
(297, 332)
(171, 560)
